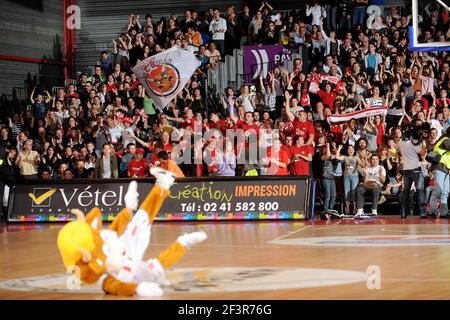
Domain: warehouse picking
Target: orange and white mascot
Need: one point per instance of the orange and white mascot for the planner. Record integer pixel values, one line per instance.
(113, 257)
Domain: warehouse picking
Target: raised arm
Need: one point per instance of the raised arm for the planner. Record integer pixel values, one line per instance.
(137, 22)
(261, 84)
(327, 154)
(114, 46)
(233, 117)
(338, 153)
(321, 29)
(289, 114)
(308, 10)
(32, 95)
(268, 5)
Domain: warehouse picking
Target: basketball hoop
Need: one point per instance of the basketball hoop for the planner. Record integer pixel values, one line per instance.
(413, 32)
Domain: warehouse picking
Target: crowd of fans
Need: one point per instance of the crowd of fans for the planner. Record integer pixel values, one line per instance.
(105, 126)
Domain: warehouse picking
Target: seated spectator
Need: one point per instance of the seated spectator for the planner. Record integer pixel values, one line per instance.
(46, 174)
(79, 171)
(68, 175)
(374, 177)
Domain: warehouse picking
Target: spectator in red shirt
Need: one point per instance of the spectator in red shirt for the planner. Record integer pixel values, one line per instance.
(251, 130)
(276, 160)
(138, 168)
(328, 97)
(111, 84)
(442, 102)
(156, 148)
(216, 123)
(302, 127)
(418, 97)
(301, 156)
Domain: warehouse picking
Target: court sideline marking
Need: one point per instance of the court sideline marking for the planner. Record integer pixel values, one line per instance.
(289, 233)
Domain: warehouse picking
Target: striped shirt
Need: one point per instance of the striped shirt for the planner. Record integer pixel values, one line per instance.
(15, 130)
(375, 102)
(270, 100)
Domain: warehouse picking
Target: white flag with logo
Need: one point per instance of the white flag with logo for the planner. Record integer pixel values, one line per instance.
(165, 74)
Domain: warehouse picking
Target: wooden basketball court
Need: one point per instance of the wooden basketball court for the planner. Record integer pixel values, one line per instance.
(383, 258)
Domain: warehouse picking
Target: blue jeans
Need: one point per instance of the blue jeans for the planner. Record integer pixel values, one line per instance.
(440, 191)
(394, 190)
(350, 184)
(329, 193)
(359, 13)
(428, 191)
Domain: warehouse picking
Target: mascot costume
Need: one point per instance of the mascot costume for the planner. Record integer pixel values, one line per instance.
(113, 258)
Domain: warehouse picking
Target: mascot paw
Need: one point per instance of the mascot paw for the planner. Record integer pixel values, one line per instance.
(156, 273)
(164, 178)
(190, 239)
(149, 289)
(132, 196)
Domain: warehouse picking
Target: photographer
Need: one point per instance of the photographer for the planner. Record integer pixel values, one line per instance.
(410, 150)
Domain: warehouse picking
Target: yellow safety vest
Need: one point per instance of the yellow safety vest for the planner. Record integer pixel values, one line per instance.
(251, 173)
(445, 154)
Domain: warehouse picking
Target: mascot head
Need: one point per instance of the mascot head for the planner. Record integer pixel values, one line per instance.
(79, 241)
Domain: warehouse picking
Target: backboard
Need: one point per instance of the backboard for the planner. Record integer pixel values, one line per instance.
(413, 31)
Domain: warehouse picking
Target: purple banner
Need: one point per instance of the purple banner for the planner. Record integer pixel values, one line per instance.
(260, 60)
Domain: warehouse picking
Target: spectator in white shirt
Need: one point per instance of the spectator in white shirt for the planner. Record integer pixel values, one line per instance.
(218, 27)
(317, 11)
(374, 177)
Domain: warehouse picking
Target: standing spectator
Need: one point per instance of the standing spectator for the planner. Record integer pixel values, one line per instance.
(213, 54)
(138, 168)
(80, 171)
(39, 107)
(374, 177)
(359, 11)
(317, 13)
(28, 161)
(126, 158)
(244, 23)
(255, 26)
(328, 180)
(245, 100)
(350, 179)
(106, 62)
(412, 174)
(106, 166)
(276, 160)
(226, 166)
(441, 176)
(301, 156)
(218, 27)
(302, 127)
(372, 60)
(169, 164)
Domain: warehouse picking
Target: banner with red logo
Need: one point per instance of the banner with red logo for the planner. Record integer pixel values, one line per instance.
(364, 113)
(165, 74)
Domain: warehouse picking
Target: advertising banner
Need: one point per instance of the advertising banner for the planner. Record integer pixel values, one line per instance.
(192, 199)
(260, 60)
